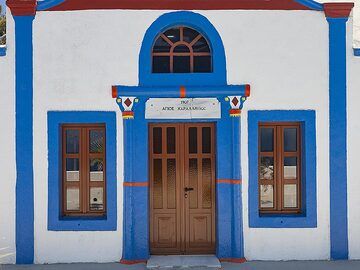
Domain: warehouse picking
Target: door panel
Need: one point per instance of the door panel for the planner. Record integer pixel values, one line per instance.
(182, 188)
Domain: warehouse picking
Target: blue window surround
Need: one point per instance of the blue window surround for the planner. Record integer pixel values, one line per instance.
(55, 221)
(308, 219)
(357, 51)
(2, 50)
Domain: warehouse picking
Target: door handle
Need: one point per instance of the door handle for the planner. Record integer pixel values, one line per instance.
(188, 189)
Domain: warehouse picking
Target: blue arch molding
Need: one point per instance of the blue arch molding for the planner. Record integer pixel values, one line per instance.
(202, 25)
(47, 4)
(229, 234)
(311, 4)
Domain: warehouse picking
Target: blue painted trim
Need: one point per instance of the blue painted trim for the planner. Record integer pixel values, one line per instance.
(55, 221)
(338, 142)
(174, 91)
(2, 50)
(195, 21)
(311, 4)
(308, 218)
(357, 51)
(24, 140)
(47, 4)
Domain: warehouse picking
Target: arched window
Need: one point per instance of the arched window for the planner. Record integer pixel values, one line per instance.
(181, 50)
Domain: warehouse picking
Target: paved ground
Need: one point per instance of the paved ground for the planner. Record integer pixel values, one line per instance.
(255, 265)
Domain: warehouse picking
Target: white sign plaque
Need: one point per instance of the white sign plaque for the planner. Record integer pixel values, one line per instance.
(182, 108)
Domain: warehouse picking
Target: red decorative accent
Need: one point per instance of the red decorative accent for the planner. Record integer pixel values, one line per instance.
(128, 114)
(114, 92)
(338, 10)
(235, 112)
(181, 5)
(235, 101)
(128, 262)
(22, 7)
(229, 181)
(127, 102)
(247, 90)
(182, 91)
(233, 260)
(135, 184)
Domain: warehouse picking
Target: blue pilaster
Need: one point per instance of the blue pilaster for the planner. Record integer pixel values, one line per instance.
(338, 145)
(24, 140)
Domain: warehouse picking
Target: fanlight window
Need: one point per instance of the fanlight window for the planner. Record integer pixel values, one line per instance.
(181, 50)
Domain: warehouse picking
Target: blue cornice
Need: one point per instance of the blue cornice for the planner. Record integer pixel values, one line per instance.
(311, 4)
(46, 4)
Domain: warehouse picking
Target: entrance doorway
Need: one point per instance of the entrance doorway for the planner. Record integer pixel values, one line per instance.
(182, 188)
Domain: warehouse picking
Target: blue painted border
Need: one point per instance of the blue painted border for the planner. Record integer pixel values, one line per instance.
(47, 4)
(357, 51)
(338, 139)
(2, 50)
(308, 218)
(24, 140)
(311, 4)
(202, 25)
(55, 221)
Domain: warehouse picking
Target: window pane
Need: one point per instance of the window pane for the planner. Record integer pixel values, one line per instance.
(157, 140)
(161, 64)
(72, 169)
(266, 196)
(97, 138)
(193, 182)
(189, 34)
(202, 63)
(193, 140)
(201, 46)
(290, 196)
(266, 139)
(206, 140)
(72, 141)
(181, 48)
(267, 168)
(173, 34)
(72, 199)
(161, 45)
(96, 169)
(96, 198)
(290, 139)
(170, 134)
(181, 64)
(206, 183)
(171, 183)
(290, 166)
(158, 183)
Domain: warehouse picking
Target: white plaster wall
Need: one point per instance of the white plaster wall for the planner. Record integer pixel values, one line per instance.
(7, 146)
(79, 55)
(353, 135)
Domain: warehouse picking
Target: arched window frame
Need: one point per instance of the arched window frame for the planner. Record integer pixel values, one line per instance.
(196, 22)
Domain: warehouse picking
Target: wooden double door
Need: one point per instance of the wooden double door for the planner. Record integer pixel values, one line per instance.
(182, 188)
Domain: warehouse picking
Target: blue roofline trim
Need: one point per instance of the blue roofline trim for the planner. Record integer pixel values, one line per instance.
(46, 4)
(203, 26)
(311, 4)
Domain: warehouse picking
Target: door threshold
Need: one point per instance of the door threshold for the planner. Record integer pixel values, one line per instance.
(183, 261)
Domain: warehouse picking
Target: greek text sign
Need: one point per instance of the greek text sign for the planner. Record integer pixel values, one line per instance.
(182, 108)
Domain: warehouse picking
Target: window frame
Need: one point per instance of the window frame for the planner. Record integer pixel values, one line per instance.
(84, 156)
(56, 220)
(278, 155)
(308, 216)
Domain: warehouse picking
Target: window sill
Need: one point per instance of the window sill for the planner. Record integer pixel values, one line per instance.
(2, 50)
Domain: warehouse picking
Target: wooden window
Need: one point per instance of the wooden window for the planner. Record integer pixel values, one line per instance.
(181, 50)
(83, 166)
(279, 171)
